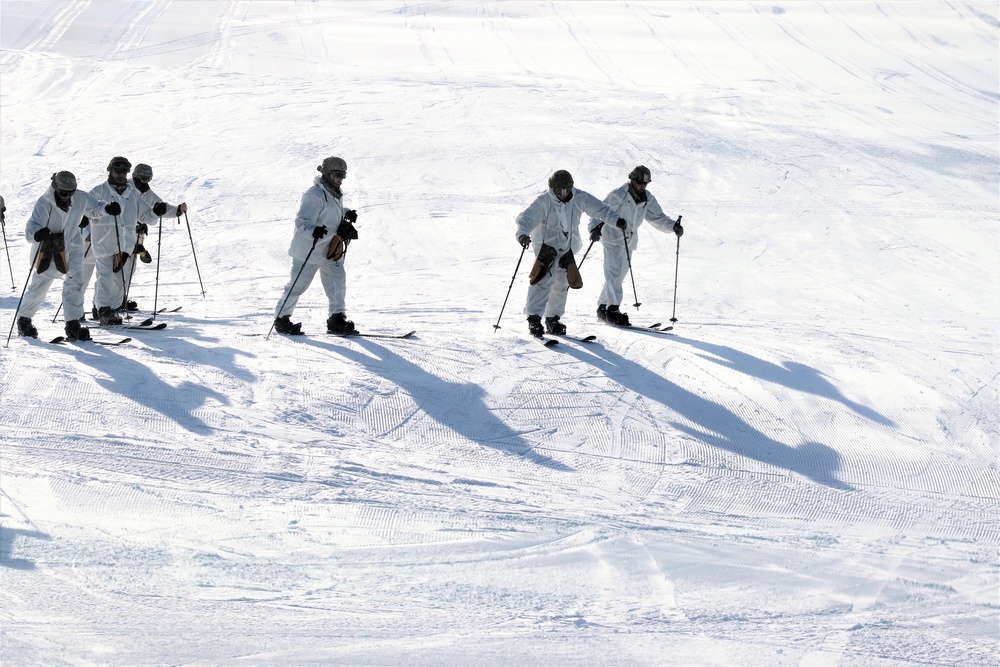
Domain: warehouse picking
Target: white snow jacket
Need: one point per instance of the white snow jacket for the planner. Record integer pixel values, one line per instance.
(48, 214)
(153, 199)
(634, 213)
(552, 222)
(104, 241)
(319, 207)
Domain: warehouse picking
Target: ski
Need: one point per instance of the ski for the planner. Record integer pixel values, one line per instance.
(547, 342)
(652, 329)
(580, 339)
(354, 334)
(357, 334)
(59, 340)
(171, 310)
(135, 327)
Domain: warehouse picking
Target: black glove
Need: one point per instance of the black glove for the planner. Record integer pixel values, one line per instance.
(621, 224)
(566, 260)
(114, 208)
(524, 240)
(84, 222)
(42, 234)
(347, 231)
(142, 228)
(678, 229)
(351, 215)
(160, 208)
(595, 233)
(319, 232)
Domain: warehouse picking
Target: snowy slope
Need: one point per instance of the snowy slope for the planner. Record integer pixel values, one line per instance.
(805, 473)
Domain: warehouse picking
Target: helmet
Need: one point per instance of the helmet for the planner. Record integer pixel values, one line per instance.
(143, 172)
(640, 174)
(119, 162)
(64, 180)
(333, 164)
(561, 179)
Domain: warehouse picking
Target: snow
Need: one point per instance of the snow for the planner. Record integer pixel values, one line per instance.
(805, 473)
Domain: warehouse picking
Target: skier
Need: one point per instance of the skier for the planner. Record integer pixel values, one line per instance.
(634, 204)
(113, 236)
(53, 228)
(552, 223)
(141, 176)
(320, 211)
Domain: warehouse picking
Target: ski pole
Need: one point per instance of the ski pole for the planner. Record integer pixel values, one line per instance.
(25, 289)
(156, 284)
(121, 268)
(512, 278)
(677, 261)
(580, 265)
(291, 287)
(194, 254)
(4, 227)
(631, 275)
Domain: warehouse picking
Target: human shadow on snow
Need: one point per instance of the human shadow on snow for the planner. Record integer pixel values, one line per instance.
(137, 382)
(715, 424)
(456, 405)
(793, 375)
(7, 537)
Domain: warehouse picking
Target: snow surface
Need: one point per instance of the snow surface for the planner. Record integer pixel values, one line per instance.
(805, 474)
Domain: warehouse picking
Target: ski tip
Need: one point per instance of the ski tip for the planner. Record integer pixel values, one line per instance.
(548, 342)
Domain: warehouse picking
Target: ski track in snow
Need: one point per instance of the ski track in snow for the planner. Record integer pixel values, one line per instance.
(804, 473)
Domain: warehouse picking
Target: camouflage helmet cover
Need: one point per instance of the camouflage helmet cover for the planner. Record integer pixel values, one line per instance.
(640, 175)
(143, 172)
(561, 179)
(331, 164)
(120, 162)
(64, 180)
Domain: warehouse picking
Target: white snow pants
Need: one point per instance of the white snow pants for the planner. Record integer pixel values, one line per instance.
(88, 271)
(109, 290)
(334, 280)
(72, 293)
(615, 270)
(548, 296)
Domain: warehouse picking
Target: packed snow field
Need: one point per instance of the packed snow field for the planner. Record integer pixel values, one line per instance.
(803, 473)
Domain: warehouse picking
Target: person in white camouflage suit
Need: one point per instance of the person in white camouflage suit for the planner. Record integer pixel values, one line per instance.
(321, 214)
(634, 205)
(57, 252)
(552, 224)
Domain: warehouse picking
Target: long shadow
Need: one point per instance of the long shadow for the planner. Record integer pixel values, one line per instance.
(138, 383)
(7, 537)
(180, 347)
(456, 405)
(716, 425)
(791, 374)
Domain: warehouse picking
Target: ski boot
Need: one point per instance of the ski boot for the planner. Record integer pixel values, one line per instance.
(76, 332)
(340, 325)
(106, 316)
(129, 306)
(26, 328)
(535, 326)
(554, 326)
(602, 313)
(283, 325)
(617, 318)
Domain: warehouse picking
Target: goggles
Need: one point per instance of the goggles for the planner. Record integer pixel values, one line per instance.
(65, 194)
